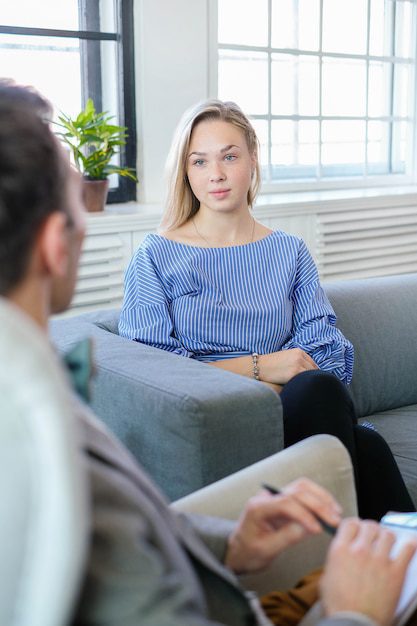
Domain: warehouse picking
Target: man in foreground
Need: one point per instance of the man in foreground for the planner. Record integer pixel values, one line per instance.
(148, 565)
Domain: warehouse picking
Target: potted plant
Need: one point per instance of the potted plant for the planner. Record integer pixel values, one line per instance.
(93, 141)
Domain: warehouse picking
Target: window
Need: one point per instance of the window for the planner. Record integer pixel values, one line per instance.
(72, 50)
(328, 84)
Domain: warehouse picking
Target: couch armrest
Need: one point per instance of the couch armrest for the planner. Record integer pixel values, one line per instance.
(322, 458)
(186, 422)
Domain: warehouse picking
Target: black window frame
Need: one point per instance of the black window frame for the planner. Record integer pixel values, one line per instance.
(90, 38)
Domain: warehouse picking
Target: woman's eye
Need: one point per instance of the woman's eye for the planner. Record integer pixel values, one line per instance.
(230, 157)
(199, 162)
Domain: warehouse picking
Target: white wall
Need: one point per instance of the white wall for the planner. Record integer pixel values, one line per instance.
(171, 42)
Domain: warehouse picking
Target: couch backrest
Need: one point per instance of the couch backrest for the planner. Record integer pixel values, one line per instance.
(379, 316)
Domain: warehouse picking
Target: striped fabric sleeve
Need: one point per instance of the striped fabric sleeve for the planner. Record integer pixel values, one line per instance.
(314, 323)
(145, 313)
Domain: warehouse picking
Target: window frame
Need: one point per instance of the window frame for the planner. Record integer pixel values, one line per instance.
(124, 37)
(341, 182)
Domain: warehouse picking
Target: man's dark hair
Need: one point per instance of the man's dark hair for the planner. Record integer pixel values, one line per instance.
(32, 177)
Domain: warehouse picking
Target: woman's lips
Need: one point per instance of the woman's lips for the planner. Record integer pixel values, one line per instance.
(220, 193)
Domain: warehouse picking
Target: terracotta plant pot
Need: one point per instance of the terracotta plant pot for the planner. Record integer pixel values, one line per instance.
(95, 194)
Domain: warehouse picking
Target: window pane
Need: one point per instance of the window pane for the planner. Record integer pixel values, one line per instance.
(53, 66)
(308, 142)
(363, 107)
(379, 86)
(50, 64)
(378, 143)
(295, 24)
(57, 14)
(402, 92)
(283, 136)
(62, 14)
(345, 26)
(404, 18)
(343, 146)
(108, 21)
(109, 95)
(243, 78)
(294, 149)
(109, 71)
(380, 33)
(295, 85)
(344, 87)
(400, 131)
(243, 22)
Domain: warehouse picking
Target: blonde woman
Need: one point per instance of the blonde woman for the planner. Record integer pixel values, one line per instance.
(218, 286)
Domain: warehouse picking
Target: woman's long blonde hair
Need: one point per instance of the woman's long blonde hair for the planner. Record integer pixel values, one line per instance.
(181, 203)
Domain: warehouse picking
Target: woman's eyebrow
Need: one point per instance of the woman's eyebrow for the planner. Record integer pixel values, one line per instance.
(229, 147)
(225, 149)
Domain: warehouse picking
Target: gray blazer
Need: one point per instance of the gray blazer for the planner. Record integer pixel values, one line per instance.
(148, 565)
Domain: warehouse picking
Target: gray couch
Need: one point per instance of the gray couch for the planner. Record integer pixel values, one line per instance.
(190, 424)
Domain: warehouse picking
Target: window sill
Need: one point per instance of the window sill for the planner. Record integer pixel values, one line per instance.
(335, 199)
(291, 203)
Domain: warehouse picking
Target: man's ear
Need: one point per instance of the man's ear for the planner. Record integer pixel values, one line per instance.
(53, 244)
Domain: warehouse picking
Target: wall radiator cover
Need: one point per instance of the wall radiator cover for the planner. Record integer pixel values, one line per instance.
(366, 243)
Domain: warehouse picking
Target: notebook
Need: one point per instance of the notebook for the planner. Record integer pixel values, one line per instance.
(404, 525)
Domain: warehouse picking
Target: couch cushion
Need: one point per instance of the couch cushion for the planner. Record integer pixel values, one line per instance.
(399, 428)
(107, 319)
(379, 316)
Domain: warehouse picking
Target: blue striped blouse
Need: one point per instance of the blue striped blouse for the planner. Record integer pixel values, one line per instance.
(220, 303)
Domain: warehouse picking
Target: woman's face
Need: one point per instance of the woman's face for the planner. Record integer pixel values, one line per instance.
(219, 166)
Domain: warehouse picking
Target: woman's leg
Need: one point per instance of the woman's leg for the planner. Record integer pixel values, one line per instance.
(317, 402)
(380, 485)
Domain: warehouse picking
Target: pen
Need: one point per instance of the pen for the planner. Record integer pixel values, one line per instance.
(325, 526)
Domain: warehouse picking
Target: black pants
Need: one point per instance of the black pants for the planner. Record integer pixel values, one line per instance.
(316, 402)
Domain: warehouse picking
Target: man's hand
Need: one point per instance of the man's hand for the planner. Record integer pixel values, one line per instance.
(271, 523)
(360, 574)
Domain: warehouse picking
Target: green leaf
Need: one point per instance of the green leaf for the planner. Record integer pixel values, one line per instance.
(94, 139)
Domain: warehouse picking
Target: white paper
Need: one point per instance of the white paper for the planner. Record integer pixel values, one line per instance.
(408, 599)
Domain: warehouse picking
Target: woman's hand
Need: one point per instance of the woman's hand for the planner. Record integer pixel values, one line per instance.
(271, 523)
(360, 574)
(280, 367)
(274, 387)
(275, 369)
